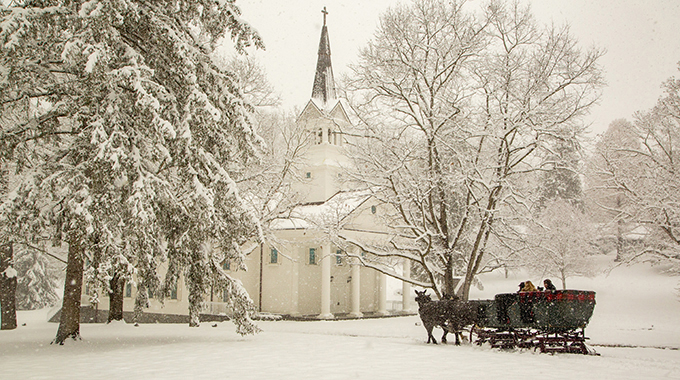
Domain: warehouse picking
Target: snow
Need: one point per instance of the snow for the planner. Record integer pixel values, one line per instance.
(636, 307)
(10, 272)
(91, 8)
(307, 216)
(92, 61)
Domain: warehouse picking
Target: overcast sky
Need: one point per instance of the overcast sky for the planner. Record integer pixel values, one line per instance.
(642, 39)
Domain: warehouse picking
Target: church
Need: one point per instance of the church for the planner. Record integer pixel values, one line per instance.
(303, 274)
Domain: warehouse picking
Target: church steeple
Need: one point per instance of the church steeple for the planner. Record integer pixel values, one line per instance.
(324, 84)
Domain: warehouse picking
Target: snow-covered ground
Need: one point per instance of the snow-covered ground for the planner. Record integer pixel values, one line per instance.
(637, 310)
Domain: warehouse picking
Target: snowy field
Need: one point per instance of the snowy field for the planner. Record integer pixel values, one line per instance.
(635, 328)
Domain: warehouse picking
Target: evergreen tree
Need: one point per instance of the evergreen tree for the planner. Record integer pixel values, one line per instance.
(37, 280)
(561, 179)
(151, 127)
(8, 285)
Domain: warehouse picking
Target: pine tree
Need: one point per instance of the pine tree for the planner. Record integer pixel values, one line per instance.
(150, 127)
(37, 280)
(8, 285)
(561, 178)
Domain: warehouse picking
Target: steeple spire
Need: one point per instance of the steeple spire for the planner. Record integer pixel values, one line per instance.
(324, 85)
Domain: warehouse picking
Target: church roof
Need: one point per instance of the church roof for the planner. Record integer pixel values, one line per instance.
(337, 208)
(324, 84)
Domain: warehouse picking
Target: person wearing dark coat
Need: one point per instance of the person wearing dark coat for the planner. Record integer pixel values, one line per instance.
(548, 285)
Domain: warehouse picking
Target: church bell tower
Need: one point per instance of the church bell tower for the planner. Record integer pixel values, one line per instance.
(324, 118)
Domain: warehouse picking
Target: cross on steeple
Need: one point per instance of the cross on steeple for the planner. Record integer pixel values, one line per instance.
(325, 12)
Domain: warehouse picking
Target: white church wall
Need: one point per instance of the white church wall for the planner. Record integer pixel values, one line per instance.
(277, 287)
(309, 291)
(340, 283)
(178, 305)
(369, 290)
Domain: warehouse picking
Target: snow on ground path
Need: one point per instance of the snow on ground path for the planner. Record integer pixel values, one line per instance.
(635, 306)
(369, 349)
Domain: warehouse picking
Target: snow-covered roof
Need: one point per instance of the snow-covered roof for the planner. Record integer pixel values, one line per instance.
(325, 107)
(637, 233)
(336, 208)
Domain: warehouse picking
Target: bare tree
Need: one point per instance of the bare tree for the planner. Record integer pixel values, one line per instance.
(561, 242)
(252, 79)
(643, 169)
(613, 148)
(455, 110)
(266, 183)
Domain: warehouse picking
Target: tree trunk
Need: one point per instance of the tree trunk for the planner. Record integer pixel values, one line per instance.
(69, 324)
(619, 233)
(449, 284)
(117, 285)
(195, 298)
(475, 258)
(141, 301)
(8, 288)
(477, 250)
(196, 282)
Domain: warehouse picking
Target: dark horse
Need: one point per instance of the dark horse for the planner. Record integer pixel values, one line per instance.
(451, 314)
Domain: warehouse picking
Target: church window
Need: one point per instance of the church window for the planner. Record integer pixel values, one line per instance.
(320, 138)
(173, 292)
(273, 256)
(373, 209)
(330, 135)
(128, 290)
(150, 293)
(338, 257)
(312, 256)
(226, 265)
(308, 175)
